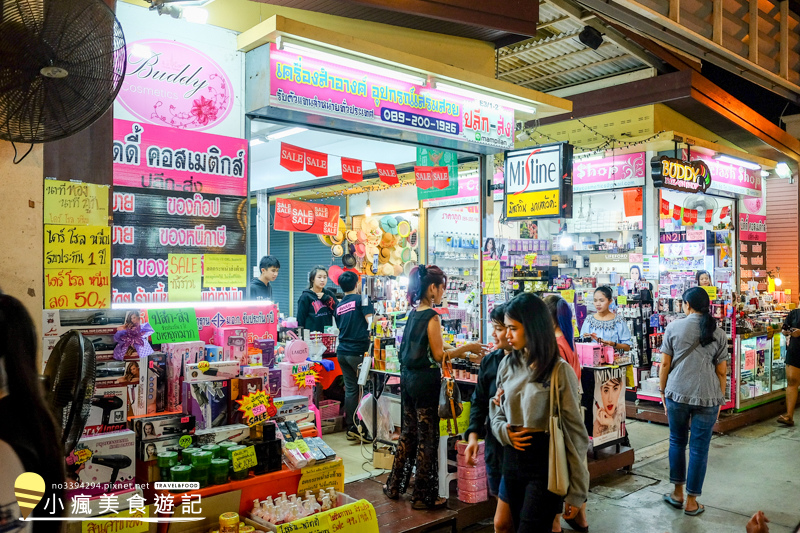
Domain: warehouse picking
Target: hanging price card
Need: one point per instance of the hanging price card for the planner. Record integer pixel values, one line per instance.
(244, 459)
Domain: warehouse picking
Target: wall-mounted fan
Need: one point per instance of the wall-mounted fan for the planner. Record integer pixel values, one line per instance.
(62, 63)
(69, 382)
(701, 203)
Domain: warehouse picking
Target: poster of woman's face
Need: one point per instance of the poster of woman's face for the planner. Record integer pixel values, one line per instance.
(609, 406)
(490, 249)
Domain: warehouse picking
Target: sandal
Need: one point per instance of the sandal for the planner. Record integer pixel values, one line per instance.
(785, 420)
(389, 494)
(696, 512)
(672, 501)
(422, 506)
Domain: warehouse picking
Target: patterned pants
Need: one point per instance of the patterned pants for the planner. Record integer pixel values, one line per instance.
(419, 442)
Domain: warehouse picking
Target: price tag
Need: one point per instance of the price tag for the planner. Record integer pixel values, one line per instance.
(185, 441)
(203, 366)
(79, 457)
(712, 292)
(259, 410)
(330, 474)
(244, 459)
(622, 300)
(257, 407)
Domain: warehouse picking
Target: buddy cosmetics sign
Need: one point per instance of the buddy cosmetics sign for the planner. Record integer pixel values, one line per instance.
(538, 182)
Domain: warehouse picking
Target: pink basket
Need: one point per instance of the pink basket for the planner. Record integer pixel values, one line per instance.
(329, 409)
(327, 339)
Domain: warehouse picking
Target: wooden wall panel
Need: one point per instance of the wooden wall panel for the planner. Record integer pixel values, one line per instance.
(783, 242)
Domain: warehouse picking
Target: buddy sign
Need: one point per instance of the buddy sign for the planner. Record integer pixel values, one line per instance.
(678, 175)
(538, 182)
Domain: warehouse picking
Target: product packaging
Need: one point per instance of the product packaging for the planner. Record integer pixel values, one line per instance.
(291, 405)
(156, 382)
(110, 373)
(270, 376)
(178, 355)
(219, 435)
(233, 340)
(103, 463)
(156, 427)
(108, 411)
(208, 402)
(241, 387)
(213, 353)
(215, 371)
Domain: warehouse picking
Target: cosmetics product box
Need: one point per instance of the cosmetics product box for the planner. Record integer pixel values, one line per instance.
(472, 484)
(322, 446)
(478, 496)
(270, 376)
(179, 354)
(215, 371)
(241, 387)
(156, 382)
(157, 427)
(213, 353)
(103, 463)
(290, 405)
(233, 340)
(108, 411)
(208, 402)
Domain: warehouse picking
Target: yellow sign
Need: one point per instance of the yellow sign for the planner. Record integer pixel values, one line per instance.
(257, 407)
(81, 204)
(357, 516)
(306, 378)
(77, 247)
(98, 525)
(788, 292)
(568, 295)
(330, 474)
(224, 270)
(491, 277)
(244, 459)
(776, 346)
(622, 300)
(462, 421)
(532, 204)
(712, 292)
(80, 288)
(183, 277)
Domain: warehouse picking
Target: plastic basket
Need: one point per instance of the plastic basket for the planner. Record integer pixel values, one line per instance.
(329, 409)
(327, 339)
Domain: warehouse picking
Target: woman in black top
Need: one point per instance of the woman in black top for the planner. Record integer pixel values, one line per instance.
(316, 305)
(791, 328)
(421, 353)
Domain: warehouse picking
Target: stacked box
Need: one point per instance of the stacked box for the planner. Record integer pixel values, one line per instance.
(208, 401)
(108, 411)
(288, 383)
(179, 354)
(233, 340)
(103, 463)
(472, 484)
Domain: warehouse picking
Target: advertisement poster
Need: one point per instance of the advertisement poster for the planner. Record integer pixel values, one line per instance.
(300, 79)
(605, 417)
(429, 157)
(305, 217)
(77, 266)
(83, 204)
(613, 172)
(538, 182)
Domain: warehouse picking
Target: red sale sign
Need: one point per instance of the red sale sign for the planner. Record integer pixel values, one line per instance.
(387, 173)
(292, 157)
(305, 217)
(352, 170)
(441, 178)
(424, 177)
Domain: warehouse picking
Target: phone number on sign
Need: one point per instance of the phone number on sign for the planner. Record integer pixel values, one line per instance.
(419, 121)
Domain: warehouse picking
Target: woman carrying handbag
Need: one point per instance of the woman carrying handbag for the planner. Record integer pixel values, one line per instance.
(422, 351)
(694, 368)
(544, 448)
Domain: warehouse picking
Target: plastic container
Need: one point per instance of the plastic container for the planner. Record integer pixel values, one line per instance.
(186, 455)
(224, 446)
(166, 460)
(213, 448)
(241, 474)
(202, 458)
(218, 473)
(229, 523)
(200, 475)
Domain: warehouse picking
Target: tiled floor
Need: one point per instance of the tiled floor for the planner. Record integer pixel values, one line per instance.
(357, 457)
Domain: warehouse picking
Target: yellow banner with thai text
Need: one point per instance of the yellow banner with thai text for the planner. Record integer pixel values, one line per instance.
(80, 204)
(532, 204)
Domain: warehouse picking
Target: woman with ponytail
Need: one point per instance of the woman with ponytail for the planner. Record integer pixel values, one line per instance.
(694, 368)
(421, 353)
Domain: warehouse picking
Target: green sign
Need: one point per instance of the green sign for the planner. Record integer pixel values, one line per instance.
(173, 325)
(429, 157)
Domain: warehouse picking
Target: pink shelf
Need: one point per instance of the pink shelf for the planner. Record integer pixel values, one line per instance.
(645, 396)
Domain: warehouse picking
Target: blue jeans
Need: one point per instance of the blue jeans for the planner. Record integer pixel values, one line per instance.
(700, 420)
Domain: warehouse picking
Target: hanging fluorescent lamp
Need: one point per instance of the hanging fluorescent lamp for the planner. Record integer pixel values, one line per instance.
(764, 173)
(285, 133)
(255, 141)
(352, 63)
(783, 170)
(736, 161)
(525, 108)
(368, 210)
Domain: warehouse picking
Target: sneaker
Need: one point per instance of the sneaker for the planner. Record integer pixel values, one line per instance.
(359, 434)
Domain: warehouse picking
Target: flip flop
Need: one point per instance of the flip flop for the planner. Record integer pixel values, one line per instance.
(700, 509)
(672, 501)
(785, 420)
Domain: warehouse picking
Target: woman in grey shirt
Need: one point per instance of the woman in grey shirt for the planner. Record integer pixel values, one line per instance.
(694, 368)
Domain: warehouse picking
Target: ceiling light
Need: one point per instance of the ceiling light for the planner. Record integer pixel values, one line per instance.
(285, 133)
(467, 93)
(256, 141)
(765, 173)
(783, 170)
(195, 15)
(736, 161)
(368, 210)
(353, 63)
(591, 37)
(565, 241)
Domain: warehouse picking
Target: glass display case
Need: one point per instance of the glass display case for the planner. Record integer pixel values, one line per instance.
(759, 361)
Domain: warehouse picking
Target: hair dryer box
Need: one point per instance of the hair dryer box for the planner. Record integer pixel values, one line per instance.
(156, 427)
(215, 371)
(208, 402)
(103, 463)
(156, 386)
(108, 411)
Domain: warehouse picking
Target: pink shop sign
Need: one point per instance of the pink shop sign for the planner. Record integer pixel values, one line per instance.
(304, 82)
(615, 172)
(752, 227)
(731, 178)
(157, 157)
(173, 84)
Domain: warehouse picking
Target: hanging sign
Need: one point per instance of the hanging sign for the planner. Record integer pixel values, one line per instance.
(441, 178)
(352, 170)
(83, 204)
(430, 157)
(316, 163)
(491, 277)
(172, 325)
(678, 175)
(538, 182)
(752, 227)
(183, 277)
(387, 173)
(423, 176)
(305, 217)
(618, 171)
(293, 158)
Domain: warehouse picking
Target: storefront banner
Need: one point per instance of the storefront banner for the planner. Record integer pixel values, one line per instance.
(752, 227)
(352, 170)
(387, 173)
(316, 163)
(150, 224)
(732, 178)
(457, 220)
(305, 217)
(679, 175)
(157, 157)
(301, 81)
(174, 84)
(67, 202)
(429, 157)
(619, 171)
(293, 158)
(538, 182)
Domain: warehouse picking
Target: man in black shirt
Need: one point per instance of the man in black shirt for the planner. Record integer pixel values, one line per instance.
(352, 319)
(260, 288)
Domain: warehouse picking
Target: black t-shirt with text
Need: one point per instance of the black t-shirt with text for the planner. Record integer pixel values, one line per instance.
(353, 327)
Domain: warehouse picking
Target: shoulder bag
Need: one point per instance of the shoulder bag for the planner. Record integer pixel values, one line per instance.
(450, 407)
(683, 356)
(558, 475)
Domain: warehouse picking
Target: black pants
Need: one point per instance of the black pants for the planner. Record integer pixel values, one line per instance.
(525, 475)
(349, 364)
(419, 443)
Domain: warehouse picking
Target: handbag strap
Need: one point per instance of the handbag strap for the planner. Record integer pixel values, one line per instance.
(683, 356)
(554, 396)
(447, 366)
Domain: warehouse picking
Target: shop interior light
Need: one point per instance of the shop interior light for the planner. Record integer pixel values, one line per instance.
(765, 173)
(525, 108)
(285, 133)
(589, 156)
(368, 210)
(736, 161)
(777, 278)
(194, 305)
(255, 141)
(523, 136)
(565, 241)
(196, 15)
(783, 170)
(352, 63)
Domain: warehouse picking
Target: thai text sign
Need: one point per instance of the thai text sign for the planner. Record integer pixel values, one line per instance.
(678, 175)
(79, 288)
(538, 182)
(322, 476)
(225, 270)
(729, 177)
(172, 325)
(356, 517)
(83, 204)
(305, 217)
(302, 81)
(161, 158)
(77, 246)
(617, 171)
(752, 227)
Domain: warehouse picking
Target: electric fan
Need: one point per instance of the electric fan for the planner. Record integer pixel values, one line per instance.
(69, 383)
(701, 203)
(62, 63)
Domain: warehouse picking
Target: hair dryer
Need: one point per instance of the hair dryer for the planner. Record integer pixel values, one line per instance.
(107, 404)
(115, 462)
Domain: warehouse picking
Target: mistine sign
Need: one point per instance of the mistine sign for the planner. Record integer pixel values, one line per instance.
(679, 175)
(538, 182)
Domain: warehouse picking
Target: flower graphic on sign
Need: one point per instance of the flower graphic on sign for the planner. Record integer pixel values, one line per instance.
(205, 110)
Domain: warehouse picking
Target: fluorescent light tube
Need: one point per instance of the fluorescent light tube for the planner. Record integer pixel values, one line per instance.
(525, 108)
(783, 170)
(736, 161)
(285, 133)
